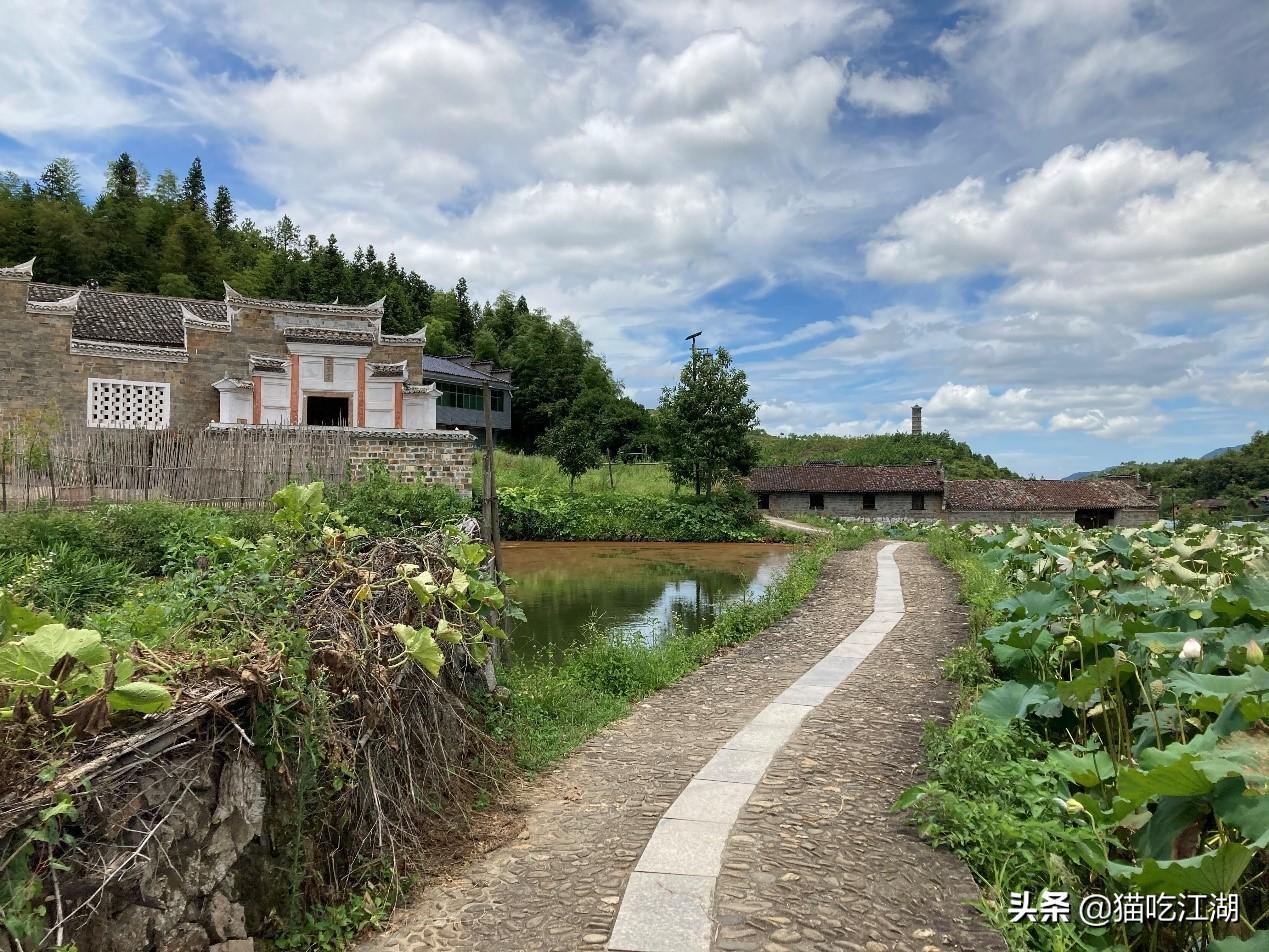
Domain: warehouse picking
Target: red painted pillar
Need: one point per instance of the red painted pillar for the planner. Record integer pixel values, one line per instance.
(398, 407)
(255, 399)
(295, 390)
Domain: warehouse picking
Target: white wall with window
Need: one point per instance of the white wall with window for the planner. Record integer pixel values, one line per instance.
(129, 404)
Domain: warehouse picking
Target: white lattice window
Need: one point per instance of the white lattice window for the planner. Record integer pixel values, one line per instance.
(129, 404)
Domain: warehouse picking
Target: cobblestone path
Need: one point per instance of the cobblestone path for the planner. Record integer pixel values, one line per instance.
(815, 859)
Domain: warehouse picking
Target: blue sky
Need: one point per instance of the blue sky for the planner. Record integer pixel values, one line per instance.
(1045, 220)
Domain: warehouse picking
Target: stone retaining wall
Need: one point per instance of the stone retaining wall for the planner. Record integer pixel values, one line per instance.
(436, 457)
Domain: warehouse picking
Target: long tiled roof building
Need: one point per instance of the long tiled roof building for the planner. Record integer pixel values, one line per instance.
(924, 492)
(122, 360)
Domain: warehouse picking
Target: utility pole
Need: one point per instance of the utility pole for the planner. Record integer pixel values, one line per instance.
(696, 466)
(492, 535)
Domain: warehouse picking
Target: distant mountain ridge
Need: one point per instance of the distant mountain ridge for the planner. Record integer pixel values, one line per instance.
(1222, 451)
(1236, 474)
(1088, 473)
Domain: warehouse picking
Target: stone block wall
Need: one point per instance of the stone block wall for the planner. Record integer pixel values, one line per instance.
(890, 506)
(41, 373)
(1123, 517)
(168, 859)
(436, 458)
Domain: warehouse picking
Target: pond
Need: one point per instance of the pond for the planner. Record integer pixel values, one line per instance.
(637, 588)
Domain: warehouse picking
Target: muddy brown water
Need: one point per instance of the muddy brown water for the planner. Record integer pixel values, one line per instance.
(640, 589)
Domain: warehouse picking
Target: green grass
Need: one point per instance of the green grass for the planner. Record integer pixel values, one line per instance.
(546, 514)
(989, 797)
(553, 709)
(541, 472)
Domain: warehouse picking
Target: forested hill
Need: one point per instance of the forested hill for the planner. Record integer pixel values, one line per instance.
(1235, 475)
(168, 236)
(959, 461)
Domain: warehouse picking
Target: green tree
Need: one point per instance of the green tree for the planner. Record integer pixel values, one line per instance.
(572, 444)
(223, 215)
(17, 220)
(59, 181)
(117, 225)
(706, 420)
(194, 189)
(486, 345)
(190, 249)
(62, 241)
(464, 327)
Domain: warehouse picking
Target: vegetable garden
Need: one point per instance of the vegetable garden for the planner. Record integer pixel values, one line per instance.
(1112, 737)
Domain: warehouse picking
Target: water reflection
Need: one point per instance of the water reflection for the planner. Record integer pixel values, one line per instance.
(636, 588)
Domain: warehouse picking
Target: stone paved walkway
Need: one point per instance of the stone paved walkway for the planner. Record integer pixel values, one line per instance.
(814, 861)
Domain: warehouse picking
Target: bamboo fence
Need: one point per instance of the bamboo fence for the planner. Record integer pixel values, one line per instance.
(77, 466)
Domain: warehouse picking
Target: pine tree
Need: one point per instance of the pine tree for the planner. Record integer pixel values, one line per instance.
(59, 182)
(194, 190)
(62, 239)
(123, 180)
(223, 217)
(117, 221)
(464, 320)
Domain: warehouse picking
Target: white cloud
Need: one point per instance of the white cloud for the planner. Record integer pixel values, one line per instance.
(650, 165)
(69, 65)
(806, 332)
(974, 408)
(882, 93)
(1097, 423)
(1120, 228)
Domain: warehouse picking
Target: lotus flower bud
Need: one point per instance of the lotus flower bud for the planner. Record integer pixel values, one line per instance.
(1192, 650)
(1255, 654)
(1074, 807)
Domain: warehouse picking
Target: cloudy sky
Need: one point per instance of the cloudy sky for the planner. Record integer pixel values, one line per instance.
(1046, 220)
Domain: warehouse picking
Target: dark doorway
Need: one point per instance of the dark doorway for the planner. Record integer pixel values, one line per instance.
(1094, 518)
(764, 500)
(326, 411)
(817, 500)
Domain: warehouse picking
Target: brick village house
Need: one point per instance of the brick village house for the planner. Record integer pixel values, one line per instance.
(924, 492)
(132, 361)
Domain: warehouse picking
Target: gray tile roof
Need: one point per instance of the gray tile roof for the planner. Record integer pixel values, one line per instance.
(1027, 495)
(328, 335)
(450, 370)
(128, 318)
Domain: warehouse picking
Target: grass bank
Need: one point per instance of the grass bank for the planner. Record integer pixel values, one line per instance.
(549, 515)
(553, 709)
(517, 470)
(985, 800)
(1109, 738)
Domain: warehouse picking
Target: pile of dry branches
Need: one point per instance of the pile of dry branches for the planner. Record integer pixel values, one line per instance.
(402, 746)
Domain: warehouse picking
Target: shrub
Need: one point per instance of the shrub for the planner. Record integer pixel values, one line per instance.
(147, 536)
(624, 517)
(382, 505)
(63, 582)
